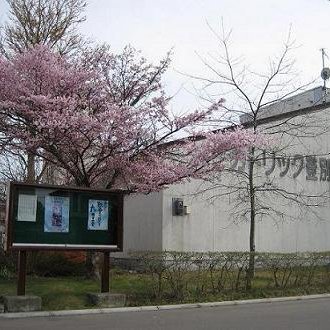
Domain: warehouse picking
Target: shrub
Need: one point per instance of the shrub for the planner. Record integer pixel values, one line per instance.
(8, 262)
(54, 264)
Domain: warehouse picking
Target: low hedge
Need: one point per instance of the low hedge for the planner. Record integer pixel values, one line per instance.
(184, 274)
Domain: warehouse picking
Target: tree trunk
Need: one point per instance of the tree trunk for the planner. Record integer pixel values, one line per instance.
(31, 173)
(93, 265)
(251, 268)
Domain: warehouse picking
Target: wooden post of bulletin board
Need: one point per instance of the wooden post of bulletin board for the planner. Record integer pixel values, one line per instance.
(105, 272)
(21, 279)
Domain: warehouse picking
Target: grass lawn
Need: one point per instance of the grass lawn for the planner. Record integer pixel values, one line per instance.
(56, 293)
(59, 293)
(69, 292)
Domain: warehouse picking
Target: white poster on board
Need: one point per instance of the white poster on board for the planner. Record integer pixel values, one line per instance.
(98, 213)
(27, 208)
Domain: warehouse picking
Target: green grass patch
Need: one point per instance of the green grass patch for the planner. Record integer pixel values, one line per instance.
(56, 293)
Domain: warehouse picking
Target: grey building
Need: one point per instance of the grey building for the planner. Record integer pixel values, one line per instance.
(214, 220)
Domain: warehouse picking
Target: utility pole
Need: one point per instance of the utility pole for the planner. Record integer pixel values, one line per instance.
(325, 74)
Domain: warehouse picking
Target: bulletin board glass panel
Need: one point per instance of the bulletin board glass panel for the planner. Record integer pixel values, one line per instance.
(57, 217)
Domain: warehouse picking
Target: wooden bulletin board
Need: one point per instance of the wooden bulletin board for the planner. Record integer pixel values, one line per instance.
(62, 218)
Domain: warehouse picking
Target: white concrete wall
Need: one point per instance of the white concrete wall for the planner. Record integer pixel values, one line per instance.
(183, 233)
(211, 227)
(142, 223)
(206, 228)
(216, 226)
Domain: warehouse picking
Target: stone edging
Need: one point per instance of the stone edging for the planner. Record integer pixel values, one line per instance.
(158, 308)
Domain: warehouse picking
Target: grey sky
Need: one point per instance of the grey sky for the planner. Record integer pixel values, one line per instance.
(259, 29)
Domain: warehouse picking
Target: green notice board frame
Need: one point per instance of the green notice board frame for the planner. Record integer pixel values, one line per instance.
(71, 211)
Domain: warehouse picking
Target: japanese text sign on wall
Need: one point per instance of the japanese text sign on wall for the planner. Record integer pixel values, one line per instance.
(312, 167)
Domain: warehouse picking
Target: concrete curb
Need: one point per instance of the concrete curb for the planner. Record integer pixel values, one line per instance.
(158, 308)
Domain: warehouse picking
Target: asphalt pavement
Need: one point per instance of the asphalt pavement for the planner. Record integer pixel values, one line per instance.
(289, 315)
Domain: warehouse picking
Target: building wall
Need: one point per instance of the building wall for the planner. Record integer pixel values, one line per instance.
(215, 222)
(142, 223)
(206, 228)
(2, 222)
(211, 227)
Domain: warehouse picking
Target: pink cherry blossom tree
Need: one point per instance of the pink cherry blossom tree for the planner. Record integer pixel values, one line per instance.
(65, 113)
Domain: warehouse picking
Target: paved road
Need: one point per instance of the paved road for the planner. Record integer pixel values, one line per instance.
(302, 315)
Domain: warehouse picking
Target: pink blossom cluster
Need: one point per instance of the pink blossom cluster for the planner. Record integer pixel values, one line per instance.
(199, 157)
(71, 113)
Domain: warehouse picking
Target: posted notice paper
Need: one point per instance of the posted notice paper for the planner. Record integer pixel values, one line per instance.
(98, 213)
(27, 208)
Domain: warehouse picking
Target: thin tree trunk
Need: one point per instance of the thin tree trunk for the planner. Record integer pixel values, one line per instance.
(251, 269)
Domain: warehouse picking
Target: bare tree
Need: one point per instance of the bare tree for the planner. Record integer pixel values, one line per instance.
(256, 95)
(130, 78)
(49, 22)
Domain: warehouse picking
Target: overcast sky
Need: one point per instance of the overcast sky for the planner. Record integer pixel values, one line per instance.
(259, 29)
